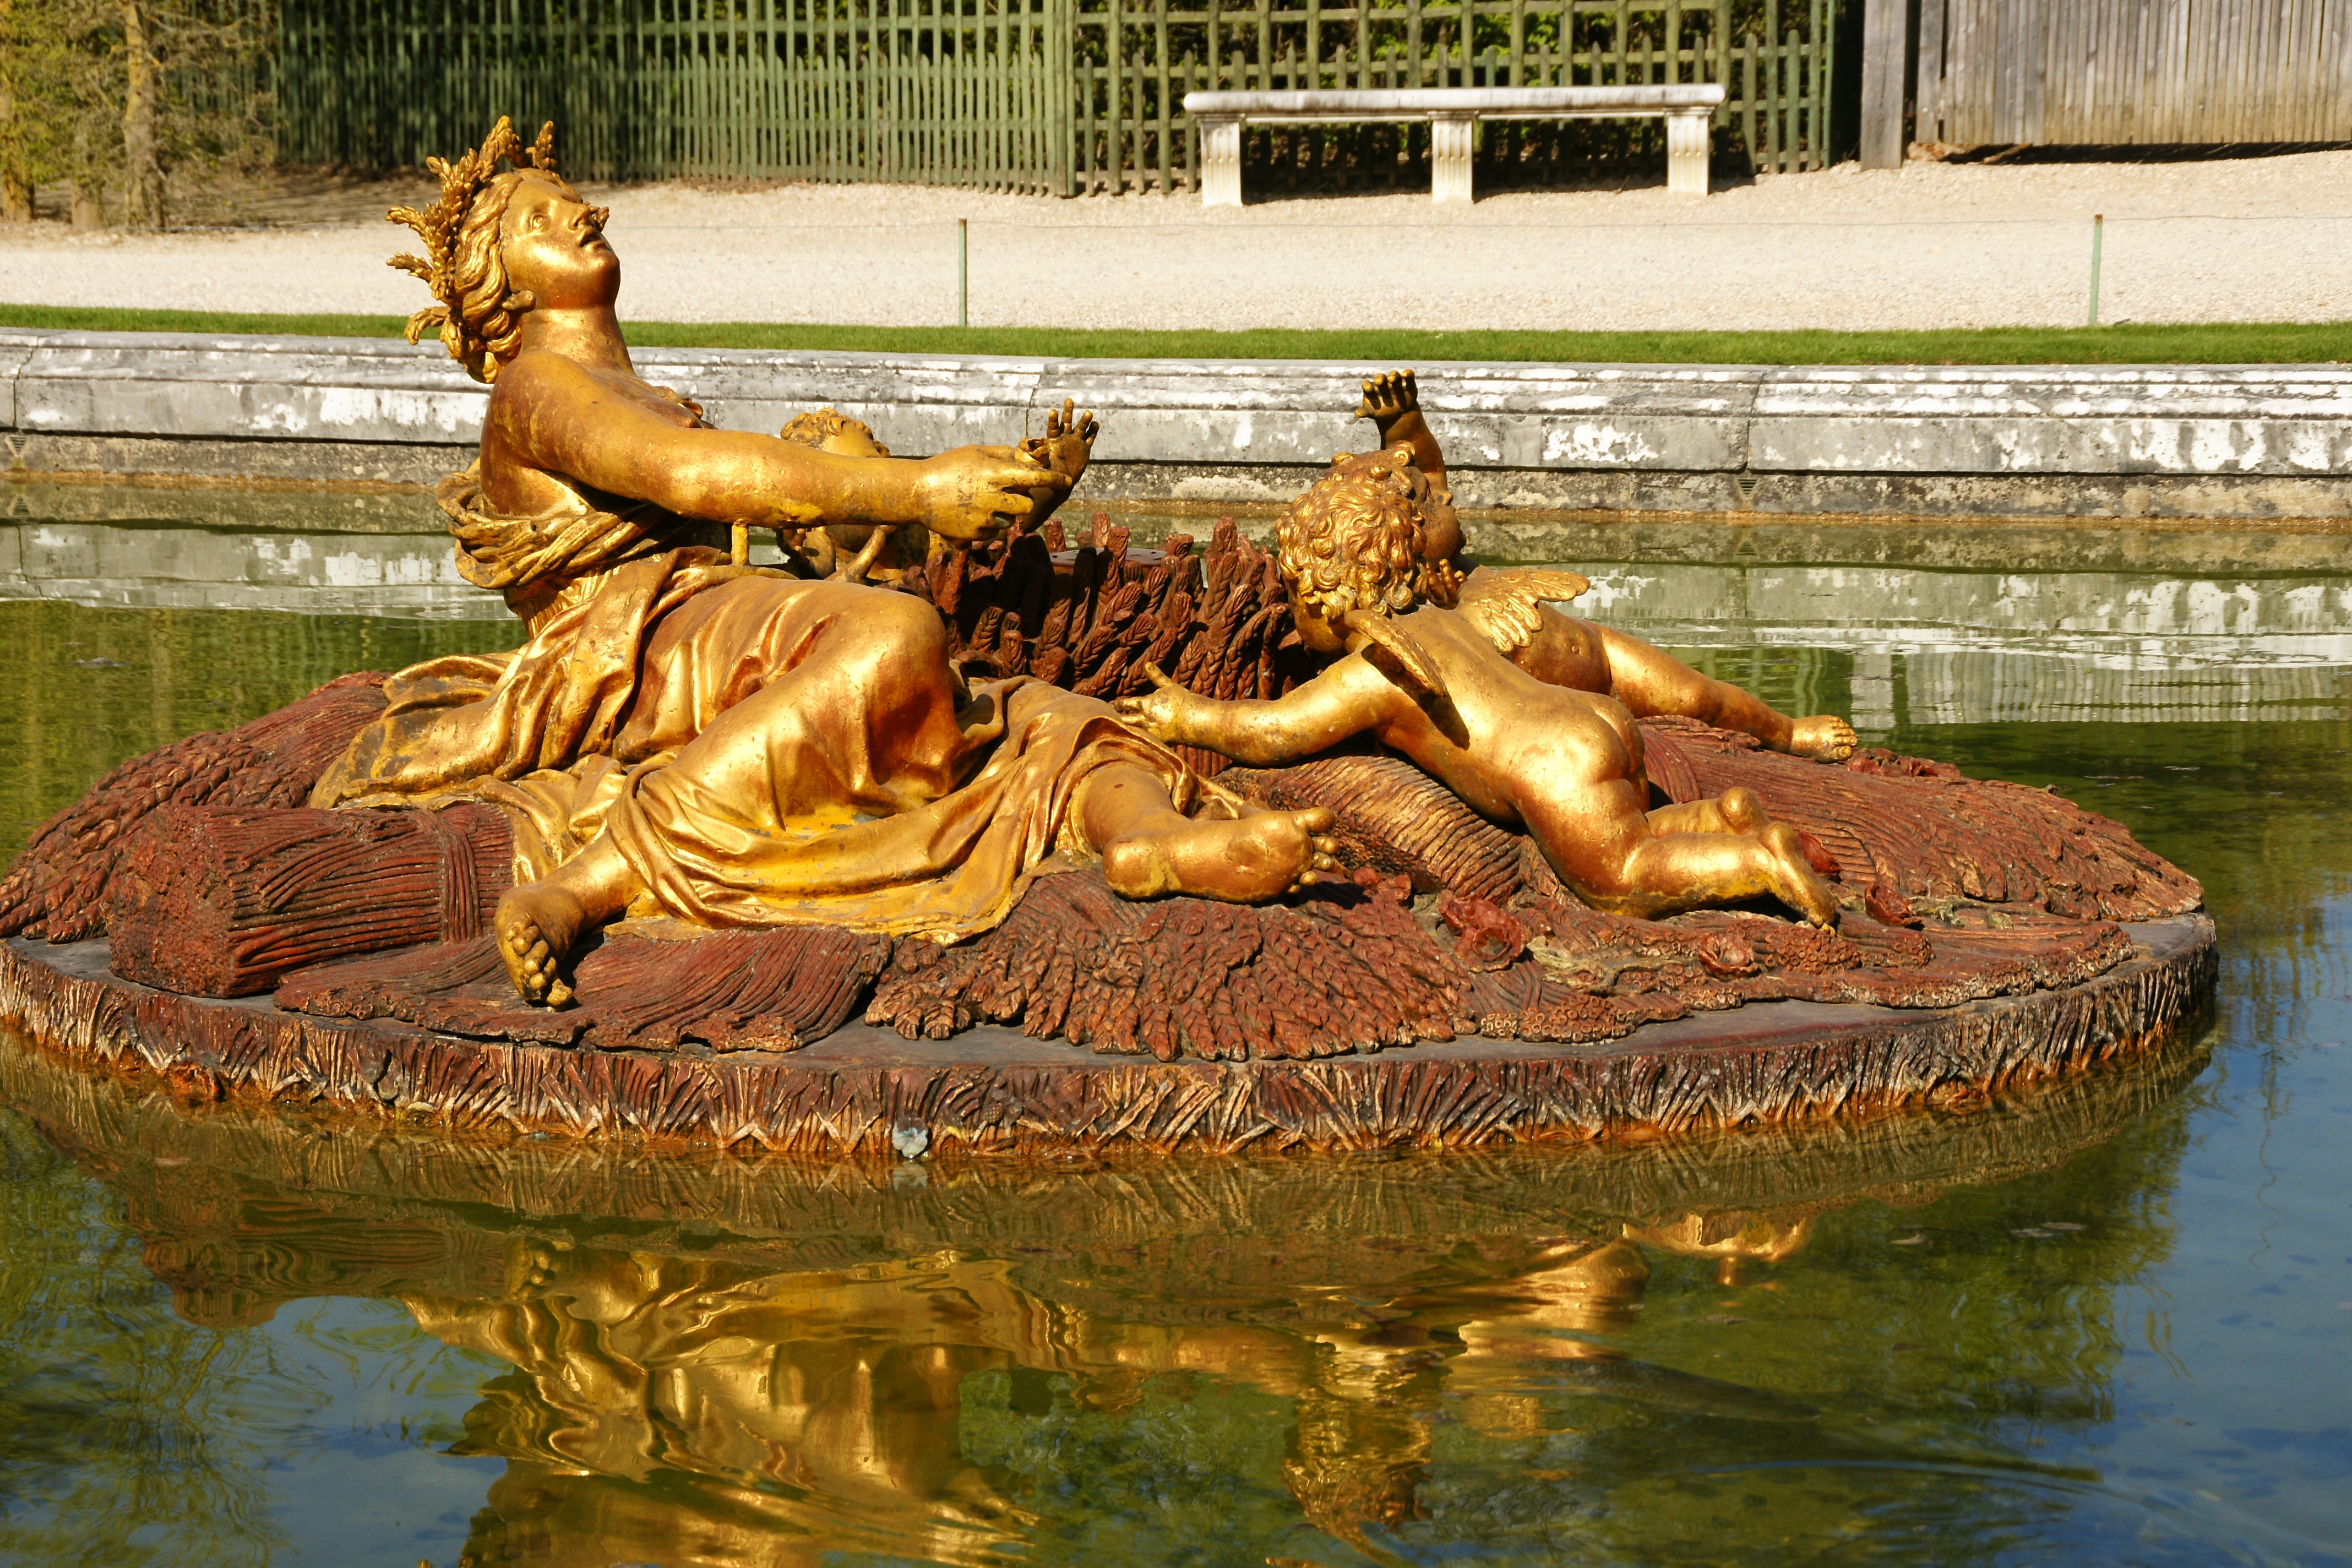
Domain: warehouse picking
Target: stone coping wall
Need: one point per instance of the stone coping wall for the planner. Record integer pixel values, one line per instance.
(2251, 443)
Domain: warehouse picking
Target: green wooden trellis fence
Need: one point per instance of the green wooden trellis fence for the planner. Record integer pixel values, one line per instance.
(1130, 133)
(1063, 96)
(951, 92)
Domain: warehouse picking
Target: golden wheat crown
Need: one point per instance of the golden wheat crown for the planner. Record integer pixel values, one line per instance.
(440, 225)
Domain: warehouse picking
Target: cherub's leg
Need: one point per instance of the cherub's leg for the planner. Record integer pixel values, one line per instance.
(539, 924)
(1150, 849)
(1605, 848)
(1650, 681)
(1735, 810)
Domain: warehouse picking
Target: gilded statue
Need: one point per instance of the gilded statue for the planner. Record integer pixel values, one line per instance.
(1563, 650)
(691, 739)
(1422, 664)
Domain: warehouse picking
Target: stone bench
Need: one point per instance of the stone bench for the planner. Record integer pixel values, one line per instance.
(1450, 111)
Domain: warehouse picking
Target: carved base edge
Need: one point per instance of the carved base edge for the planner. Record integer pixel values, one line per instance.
(865, 1091)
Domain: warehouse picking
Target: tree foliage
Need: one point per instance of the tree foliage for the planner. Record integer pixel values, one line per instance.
(141, 110)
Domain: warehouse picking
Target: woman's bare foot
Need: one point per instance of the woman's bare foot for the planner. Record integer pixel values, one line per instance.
(539, 924)
(1824, 736)
(1244, 860)
(1794, 881)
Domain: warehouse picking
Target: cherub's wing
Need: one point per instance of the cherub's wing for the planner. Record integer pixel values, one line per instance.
(1503, 603)
(1398, 654)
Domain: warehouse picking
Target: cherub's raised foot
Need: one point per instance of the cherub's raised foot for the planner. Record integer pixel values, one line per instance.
(540, 925)
(1247, 859)
(1824, 736)
(1794, 881)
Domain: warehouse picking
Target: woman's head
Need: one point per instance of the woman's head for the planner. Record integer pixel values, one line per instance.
(1354, 542)
(500, 245)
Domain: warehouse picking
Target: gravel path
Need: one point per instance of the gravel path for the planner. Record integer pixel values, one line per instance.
(1930, 245)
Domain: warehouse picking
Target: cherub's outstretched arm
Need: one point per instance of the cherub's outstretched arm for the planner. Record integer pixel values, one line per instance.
(1392, 403)
(1344, 700)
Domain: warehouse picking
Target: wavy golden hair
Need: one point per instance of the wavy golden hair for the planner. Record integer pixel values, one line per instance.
(479, 318)
(1353, 540)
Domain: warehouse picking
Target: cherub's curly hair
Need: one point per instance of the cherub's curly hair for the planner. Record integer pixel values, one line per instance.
(1353, 540)
(480, 318)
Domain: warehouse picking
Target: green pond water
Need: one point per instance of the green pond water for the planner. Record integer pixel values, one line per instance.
(2109, 1322)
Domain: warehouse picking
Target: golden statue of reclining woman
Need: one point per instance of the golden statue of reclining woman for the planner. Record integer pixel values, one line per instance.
(686, 735)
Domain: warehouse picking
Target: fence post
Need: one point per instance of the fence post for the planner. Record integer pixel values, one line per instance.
(1885, 33)
(870, 70)
(2098, 226)
(1061, 67)
(1115, 60)
(1826, 55)
(1720, 36)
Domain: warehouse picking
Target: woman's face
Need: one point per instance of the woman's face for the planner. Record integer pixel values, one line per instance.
(553, 245)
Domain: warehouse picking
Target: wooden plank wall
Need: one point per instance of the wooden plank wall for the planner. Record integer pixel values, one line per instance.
(2100, 72)
(1065, 96)
(1885, 29)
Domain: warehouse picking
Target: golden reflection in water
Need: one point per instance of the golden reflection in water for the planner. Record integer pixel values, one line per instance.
(810, 1410)
(720, 1360)
(822, 1406)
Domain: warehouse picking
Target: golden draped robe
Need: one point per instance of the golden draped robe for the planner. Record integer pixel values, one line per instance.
(762, 750)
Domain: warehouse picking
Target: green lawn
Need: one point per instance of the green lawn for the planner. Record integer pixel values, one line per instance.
(2217, 343)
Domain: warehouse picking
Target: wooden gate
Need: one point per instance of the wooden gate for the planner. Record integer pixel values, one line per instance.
(2093, 72)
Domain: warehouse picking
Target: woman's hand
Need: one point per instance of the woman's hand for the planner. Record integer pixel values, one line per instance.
(975, 492)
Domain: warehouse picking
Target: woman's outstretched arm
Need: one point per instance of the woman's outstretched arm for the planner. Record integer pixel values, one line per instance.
(551, 412)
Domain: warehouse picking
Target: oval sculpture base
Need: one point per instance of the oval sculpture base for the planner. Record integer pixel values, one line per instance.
(865, 1091)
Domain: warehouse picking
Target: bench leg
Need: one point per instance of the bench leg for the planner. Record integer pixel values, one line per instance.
(1220, 163)
(1686, 153)
(1449, 159)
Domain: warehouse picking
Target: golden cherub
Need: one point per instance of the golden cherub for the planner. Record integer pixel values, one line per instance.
(1562, 651)
(1425, 667)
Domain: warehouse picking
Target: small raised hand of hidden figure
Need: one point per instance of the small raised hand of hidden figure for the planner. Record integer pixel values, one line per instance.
(857, 553)
(1422, 664)
(1562, 651)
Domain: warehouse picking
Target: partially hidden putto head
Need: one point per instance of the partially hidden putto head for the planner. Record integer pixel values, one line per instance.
(831, 430)
(1353, 541)
(479, 317)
